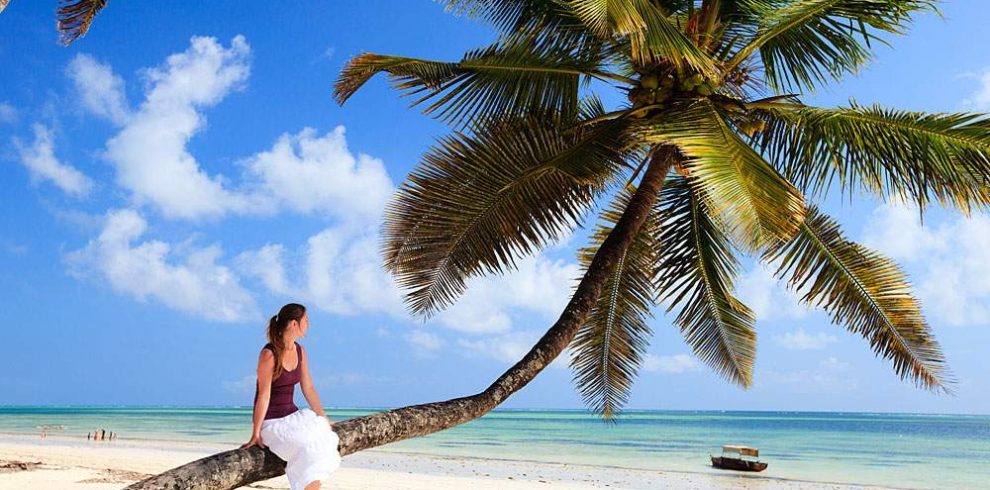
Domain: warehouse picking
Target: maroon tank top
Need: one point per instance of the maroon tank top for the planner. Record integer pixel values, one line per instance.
(283, 388)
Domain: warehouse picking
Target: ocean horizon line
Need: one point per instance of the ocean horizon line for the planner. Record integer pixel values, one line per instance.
(518, 409)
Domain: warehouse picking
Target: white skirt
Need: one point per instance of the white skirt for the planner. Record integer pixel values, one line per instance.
(306, 443)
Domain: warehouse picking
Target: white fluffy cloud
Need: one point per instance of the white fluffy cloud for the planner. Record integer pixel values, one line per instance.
(39, 158)
(801, 340)
(309, 173)
(979, 100)
(304, 172)
(7, 113)
(344, 274)
(337, 269)
(196, 284)
(267, 264)
(508, 348)
(539, 286)
(675, 364)
(424, 343)
(954, 276)
(100, 90)
(768, 297)
(150, 154)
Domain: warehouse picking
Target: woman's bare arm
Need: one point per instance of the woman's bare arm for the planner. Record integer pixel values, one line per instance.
(309, 391)
(266, 368)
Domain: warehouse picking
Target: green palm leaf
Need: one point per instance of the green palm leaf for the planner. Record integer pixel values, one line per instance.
(507, 15)
(542, 21)
(514, 78)
(75, 17)
(865, 292)
(696, 273)
(653, 38)
(923, 157)
(609, 347)
(473, 206)
(513, 17)
(742, 189)
(806, 42)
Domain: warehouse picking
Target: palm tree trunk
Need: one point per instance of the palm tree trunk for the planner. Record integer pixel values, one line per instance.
(238, 467)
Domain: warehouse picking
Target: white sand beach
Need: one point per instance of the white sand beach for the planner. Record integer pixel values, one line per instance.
(67, 463)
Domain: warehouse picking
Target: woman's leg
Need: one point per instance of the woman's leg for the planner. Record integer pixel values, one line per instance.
(313, 485)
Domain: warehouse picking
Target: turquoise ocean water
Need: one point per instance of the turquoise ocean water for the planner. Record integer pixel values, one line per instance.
(900, 450)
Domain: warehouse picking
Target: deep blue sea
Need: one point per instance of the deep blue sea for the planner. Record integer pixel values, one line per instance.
(900, 450)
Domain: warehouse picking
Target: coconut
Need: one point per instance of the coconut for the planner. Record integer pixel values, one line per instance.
(649, 80)
(640, 96)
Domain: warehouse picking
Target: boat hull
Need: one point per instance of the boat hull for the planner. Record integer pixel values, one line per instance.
(737, 464)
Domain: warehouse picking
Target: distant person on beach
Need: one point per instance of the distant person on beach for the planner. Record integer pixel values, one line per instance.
(304, 439)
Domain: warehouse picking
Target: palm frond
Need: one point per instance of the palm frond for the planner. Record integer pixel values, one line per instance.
(514, 78)
(892, 153)
(866, 293)
(515, 16)
(507, 15)
(653, 38)
(609, 347)
(474, 206)
(696, 273)
(542, 21)
(806, 42)
(741, 188)
(75, 17)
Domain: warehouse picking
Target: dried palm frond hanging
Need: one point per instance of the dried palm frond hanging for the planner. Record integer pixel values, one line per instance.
(75, 17)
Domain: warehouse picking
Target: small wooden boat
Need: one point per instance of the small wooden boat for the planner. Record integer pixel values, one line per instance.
(734, 458)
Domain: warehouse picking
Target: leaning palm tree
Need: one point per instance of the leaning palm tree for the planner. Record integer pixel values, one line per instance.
(713, 156)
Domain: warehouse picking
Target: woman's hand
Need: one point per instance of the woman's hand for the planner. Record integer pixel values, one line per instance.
(255, 441)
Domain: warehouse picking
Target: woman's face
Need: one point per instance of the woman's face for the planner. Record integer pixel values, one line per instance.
(302, 325)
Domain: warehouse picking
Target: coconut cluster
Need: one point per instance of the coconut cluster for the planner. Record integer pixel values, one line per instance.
(659, 87)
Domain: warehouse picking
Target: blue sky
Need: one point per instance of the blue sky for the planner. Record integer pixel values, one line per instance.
(175, 176)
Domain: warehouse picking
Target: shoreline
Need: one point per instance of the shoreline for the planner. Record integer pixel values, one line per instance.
(518, 409)
(71, 462)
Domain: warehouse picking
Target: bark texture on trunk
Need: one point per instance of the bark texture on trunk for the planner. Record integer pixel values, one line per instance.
(239, 467)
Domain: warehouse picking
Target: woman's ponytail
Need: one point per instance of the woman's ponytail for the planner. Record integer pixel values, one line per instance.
(274, 335)
(276, 331)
